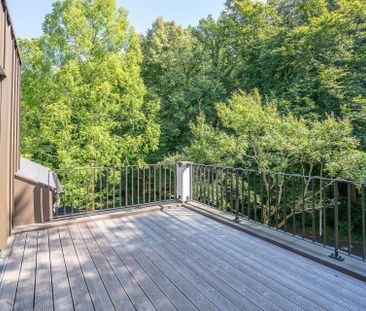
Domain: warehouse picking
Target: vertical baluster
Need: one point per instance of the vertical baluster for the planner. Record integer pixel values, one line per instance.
(262, 198)
(132, 185)
(87, 190)
(313, 208)
(93, 190)
(217, 187)
(349, 206)
(212, 186)
(107, 188)
(120, 186)
(72, 188)
(154, 183)
(222, 188)
(324, 206)
(208, 186)
(236, 196)
(336, 255)
(248, 191)
(363, 222)
(226, 199)
(255, 196)
(149, 184)
(63, 194)
(277, 200)
(204, 184)
(170, 182)
(114, 187)
(285, 202)
(175, 181)
(80, 200)
(194, 184)
(144, 185)
(243, 192)
(303, 207)
(138, 185)
(101, 189)
(232, 207)
(200, 172)
(160, 182)
(126, 187)
(165, 188)
(293, 207)
(269, 200)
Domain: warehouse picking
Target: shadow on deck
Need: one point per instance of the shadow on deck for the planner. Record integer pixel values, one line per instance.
(172, 259)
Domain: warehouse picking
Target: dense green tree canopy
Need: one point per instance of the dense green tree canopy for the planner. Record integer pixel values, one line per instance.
(83, 95)
(277, 85)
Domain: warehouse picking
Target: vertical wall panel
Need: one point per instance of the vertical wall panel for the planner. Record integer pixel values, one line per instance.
(9, 122)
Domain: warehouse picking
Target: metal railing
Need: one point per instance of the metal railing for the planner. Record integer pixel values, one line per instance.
(92, 190)
(330, 212)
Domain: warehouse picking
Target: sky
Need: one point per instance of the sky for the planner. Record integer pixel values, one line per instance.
(28, 15)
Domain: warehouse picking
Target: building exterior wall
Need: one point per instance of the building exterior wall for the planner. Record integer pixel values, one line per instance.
(32, 202)
(9, 121)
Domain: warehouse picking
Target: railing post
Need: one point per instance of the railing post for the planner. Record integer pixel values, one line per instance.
(184, 182)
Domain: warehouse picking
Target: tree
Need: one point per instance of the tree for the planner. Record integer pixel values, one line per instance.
(83, 96)
(254, 135)
(175, 72)
(259, 137)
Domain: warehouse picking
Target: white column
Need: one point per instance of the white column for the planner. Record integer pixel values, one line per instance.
(184, 181)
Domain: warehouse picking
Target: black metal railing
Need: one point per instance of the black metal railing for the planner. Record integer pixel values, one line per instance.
(330, 212)
(91, 190)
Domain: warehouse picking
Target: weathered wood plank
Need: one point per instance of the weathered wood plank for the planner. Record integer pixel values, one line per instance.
(9, 283)
(315, 269)
(240, 282)
(200, 301)
(43, 292)
(78, 287)
(155, 295)
(341, 295)
(98, 292)
(165, 285)
(132, 288)
(62, 299)
(218, 293)
(262, 296)
(115, 290)
(24, 299)
(241, 267)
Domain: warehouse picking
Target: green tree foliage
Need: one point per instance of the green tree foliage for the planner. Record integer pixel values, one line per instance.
(175, 71)
(91, 95)
(83, 95)
(257, 136)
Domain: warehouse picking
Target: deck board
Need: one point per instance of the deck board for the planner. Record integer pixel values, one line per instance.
(129, 284)
(11, 275)
(168, 260)
(98, 293)
(62, 299)
(78, 287)
(25, 291)
(43, 294)
(345, 296)
(272, 272)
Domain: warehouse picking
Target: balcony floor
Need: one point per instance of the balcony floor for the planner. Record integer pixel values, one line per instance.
(169, 260)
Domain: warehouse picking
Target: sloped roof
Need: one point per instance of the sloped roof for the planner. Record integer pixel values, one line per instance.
(37, 173)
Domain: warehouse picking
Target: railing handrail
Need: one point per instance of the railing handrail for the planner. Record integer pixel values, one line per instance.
(110, 167)
(328, 179)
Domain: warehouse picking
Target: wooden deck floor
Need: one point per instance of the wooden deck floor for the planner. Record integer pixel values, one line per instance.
(169, 260)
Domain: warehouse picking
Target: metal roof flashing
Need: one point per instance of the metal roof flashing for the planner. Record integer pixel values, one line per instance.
(37, 173)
